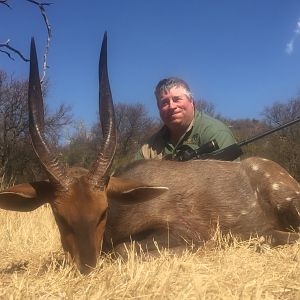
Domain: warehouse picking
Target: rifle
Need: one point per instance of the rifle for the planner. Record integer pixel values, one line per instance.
(229, 153)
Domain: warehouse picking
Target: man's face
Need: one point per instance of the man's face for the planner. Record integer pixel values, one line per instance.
(175, 108)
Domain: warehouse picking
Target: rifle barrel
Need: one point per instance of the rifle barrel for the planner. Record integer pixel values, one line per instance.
(250, 140)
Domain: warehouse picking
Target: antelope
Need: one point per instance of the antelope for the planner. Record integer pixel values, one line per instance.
(166, 203)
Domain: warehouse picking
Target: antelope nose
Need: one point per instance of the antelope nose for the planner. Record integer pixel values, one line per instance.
(87, 265)
(85, 270)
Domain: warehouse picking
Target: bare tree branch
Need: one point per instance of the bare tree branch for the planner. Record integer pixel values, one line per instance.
(4, 2)
(49, 33)
(7, 53)
(6, 45)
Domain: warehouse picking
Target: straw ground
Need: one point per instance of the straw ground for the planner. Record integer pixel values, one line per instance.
(32, 265)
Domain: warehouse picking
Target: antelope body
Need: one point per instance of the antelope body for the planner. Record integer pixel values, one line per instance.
(179, 202)
(254, 196)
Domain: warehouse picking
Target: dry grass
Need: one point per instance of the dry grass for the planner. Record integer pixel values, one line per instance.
(32, 266)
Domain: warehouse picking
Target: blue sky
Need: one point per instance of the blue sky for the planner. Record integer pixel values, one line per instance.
(240, 55)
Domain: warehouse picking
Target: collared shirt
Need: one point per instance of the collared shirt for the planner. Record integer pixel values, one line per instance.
(202, 130)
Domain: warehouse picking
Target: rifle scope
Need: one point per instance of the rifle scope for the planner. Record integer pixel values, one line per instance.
(189, 153)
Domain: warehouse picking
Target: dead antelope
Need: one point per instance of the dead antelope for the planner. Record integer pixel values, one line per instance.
(254, 196)
(179, 204)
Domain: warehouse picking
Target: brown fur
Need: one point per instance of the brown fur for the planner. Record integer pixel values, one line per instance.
(237, 196)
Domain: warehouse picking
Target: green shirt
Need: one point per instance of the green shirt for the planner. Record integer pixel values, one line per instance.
(202, 130)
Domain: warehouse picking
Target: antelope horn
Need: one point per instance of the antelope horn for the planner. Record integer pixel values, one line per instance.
(101, 166)
(54, 169)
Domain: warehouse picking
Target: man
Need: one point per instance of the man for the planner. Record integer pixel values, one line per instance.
(183, 124)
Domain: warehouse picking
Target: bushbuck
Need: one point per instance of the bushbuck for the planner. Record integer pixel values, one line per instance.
(172, 203)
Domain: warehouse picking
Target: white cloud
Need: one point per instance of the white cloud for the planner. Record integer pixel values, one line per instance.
(297, 31)
(289, 48)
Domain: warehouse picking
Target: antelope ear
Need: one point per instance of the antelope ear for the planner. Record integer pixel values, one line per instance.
(130, 190)
(27, 196)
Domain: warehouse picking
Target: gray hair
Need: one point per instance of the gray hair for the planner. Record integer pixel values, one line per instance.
(167, 83)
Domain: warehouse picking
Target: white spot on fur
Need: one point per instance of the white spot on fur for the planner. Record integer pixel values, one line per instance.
(275, 186)
(244, 212)
(253, 204)
(257, 190)
(298, 193)
(281, 173)
(288, 199)
(264, 159)
(192, 209)
(267, 175)
(255, 167)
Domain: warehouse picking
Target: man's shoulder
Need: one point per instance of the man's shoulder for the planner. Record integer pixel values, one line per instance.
(158, 136)
(204, 121)
(153, 148)
(210, 128)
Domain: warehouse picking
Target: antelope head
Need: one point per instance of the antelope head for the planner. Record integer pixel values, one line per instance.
(79, 203)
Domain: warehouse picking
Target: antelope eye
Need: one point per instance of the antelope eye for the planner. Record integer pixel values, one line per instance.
(103, 216)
